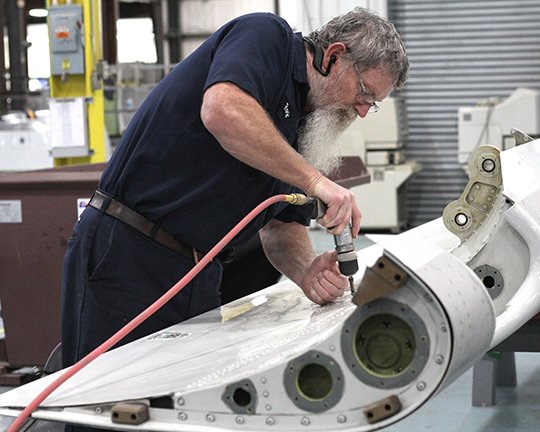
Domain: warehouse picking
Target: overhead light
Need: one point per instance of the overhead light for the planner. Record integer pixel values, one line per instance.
(38, 13)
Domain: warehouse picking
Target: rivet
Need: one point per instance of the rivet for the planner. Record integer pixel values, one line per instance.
(341, 418)
(305, 421)
(240, 420)
(98, 410)
(263, 380)
(439, 359)
(421, 385)
(266, 394)
(180, 401)
(182, 416)
(332, 348)
(270, 421)
(268, 407)
(444, 329)
(210, 418)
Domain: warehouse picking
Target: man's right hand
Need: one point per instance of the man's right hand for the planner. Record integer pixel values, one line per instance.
(341, 206)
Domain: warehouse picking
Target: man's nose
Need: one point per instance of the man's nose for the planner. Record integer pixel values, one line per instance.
(362, 109)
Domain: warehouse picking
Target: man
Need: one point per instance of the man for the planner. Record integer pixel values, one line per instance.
(252, 113)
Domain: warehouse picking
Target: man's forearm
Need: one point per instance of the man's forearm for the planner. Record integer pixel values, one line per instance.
(288, 247)
(245, 131)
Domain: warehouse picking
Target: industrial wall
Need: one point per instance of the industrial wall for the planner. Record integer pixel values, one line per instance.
(461, 51)
(303, 15)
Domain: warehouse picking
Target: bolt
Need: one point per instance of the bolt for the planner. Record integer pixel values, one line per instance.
(180, 401)
(240, 420)
(210, 418)
(421, 385)
(270, 421)
(305, 421)
(182, 416)
(341, 418)
(439, 359)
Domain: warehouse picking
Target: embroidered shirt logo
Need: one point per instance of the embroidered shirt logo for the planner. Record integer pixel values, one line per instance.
(286, 110)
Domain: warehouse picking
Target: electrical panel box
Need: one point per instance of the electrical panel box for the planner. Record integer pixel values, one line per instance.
(66, 38)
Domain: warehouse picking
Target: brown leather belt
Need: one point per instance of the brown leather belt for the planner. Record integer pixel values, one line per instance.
(112, 207)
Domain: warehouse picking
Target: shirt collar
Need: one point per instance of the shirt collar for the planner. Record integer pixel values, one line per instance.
(299, 67)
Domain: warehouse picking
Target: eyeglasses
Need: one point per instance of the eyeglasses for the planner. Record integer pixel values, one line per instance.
(365, 97)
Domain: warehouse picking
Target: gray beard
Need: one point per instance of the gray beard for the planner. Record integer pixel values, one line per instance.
(318, 136)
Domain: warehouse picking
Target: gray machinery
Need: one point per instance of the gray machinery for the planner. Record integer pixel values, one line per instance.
(490, 122)
(379, 141)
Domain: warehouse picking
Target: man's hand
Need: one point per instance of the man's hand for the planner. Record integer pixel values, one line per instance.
(322, 282)
(341, 206)
(289, 249)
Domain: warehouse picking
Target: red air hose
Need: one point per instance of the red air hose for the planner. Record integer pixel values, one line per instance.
(114, 339)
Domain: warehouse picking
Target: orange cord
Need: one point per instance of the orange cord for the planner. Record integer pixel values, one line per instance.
(120, 334)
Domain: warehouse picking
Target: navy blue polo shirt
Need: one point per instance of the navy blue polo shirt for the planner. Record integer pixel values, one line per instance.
(172, 170)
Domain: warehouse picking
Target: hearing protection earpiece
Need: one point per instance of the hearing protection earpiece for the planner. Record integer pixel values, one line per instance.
(318, 56)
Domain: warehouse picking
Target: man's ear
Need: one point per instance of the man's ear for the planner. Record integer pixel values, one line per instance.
(323, 60)
(332, 53)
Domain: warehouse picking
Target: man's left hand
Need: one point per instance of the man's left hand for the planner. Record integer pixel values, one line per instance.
(323, 283)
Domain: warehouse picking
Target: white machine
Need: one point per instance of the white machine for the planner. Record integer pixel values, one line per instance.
(490, 122)
(25, 143)
(379, 139)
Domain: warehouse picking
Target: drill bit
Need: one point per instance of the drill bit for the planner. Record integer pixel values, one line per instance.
(351, 284)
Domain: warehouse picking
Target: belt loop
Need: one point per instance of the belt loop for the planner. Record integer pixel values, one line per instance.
(154, 231)
(195, 255)
(105, 204)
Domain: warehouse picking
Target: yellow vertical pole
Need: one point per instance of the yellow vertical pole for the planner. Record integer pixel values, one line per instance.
(88, 85)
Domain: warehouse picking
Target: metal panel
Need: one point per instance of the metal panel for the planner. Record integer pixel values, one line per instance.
(461, 52)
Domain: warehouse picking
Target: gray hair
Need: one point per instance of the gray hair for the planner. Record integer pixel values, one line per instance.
(371, 41)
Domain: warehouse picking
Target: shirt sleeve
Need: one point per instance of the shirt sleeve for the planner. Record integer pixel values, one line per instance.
(254, 55)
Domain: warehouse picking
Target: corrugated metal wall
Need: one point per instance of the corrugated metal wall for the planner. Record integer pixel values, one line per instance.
(461, 51)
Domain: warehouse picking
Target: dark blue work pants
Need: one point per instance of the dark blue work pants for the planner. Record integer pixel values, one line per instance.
(112, 273)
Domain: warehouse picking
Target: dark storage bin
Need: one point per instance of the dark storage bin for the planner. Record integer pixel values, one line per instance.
(32, 254)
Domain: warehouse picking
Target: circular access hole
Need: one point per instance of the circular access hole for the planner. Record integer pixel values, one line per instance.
(461, 219)
(385, 345)
(241, 397)
(489, 281)
(488, 165)
(314, 381)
